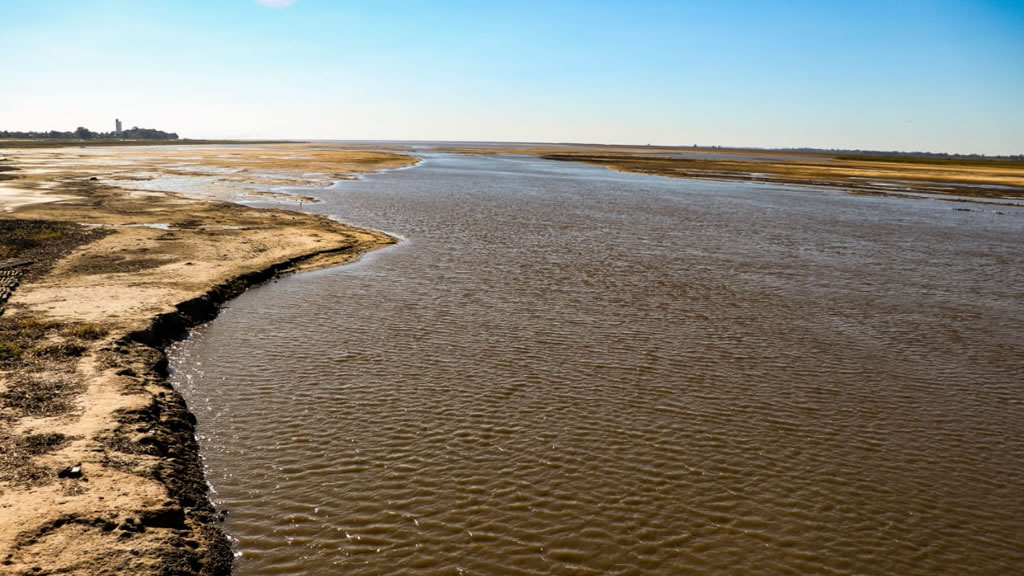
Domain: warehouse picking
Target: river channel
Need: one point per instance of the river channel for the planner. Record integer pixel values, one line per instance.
(564, 369)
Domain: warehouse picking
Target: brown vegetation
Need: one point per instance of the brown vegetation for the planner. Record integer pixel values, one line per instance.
(883, 178)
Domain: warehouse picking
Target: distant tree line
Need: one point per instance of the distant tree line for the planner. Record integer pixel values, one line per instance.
(871, 154)
(134, 133)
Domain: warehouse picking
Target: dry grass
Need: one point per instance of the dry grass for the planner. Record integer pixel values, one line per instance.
(20, 334)
(18, 237)
(115, 264)
(30, 341)
(42, 241)
(17, 453)
(88, 331)
(9, 350)
(39, 395)
(58, 351)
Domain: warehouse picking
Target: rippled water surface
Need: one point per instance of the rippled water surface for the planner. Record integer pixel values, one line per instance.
(569, 370)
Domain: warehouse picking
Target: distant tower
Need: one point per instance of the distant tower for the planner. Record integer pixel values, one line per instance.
(117, 127)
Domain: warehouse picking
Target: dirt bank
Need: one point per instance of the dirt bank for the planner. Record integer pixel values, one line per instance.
(99, 467)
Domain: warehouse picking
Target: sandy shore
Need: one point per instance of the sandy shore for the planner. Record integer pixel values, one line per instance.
(99, 468)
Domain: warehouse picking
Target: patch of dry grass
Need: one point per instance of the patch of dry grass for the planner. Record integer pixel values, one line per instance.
(60, 350)
(28, 340)
(17, 453)
(89, 331)
(9, 350)
(20, 334)
(114, 264)
(41, 241)
(39, 395)
(17, 237)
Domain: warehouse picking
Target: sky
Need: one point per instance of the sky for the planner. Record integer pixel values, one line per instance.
(942, 76)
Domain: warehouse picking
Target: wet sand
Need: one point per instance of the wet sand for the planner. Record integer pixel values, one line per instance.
(99, 468)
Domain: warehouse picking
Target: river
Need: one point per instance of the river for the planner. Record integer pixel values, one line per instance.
(569, 370)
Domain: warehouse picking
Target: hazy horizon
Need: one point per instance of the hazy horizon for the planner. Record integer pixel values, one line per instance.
(810, 149)
(943, 77)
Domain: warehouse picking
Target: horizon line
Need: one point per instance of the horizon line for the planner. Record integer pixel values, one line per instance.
(792, 149)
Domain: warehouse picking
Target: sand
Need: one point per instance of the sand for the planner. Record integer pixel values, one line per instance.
(121, 272)
(12, 197)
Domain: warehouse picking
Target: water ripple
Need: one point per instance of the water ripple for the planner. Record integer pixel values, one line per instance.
(568, 370)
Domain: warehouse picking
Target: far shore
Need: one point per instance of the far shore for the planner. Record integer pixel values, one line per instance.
(21, 143)
(104, 263)
(908, 176)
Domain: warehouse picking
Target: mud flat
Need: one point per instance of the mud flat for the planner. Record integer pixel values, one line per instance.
(99, 466)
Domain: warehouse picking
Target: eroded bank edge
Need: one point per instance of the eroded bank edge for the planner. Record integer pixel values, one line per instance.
(172, 426)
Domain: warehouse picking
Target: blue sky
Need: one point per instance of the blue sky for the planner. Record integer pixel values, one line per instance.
(906, 75)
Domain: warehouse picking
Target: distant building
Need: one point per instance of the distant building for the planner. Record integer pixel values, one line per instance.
(117, 127)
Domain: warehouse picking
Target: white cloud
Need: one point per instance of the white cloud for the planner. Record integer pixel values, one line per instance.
(277, 3)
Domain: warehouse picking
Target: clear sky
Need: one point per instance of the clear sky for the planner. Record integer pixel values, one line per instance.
(892, 75)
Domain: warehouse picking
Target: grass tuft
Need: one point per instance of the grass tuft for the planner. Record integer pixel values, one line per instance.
(9, 350)
(89, 331)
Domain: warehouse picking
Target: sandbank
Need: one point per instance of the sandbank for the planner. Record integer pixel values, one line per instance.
(954, 179)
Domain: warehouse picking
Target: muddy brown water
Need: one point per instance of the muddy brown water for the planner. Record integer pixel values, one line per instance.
(569, 370)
